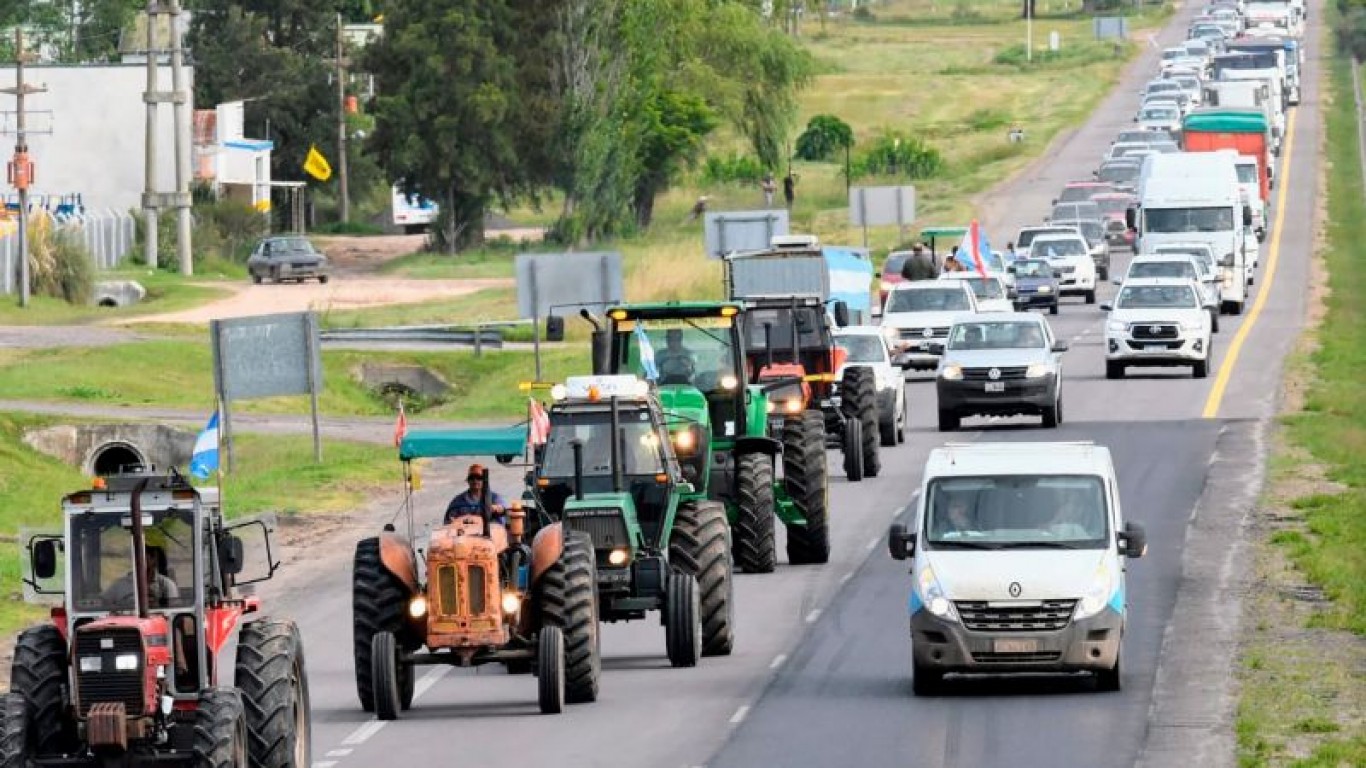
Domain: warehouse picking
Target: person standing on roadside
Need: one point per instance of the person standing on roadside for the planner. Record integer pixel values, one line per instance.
(770, 188)
(790, 188)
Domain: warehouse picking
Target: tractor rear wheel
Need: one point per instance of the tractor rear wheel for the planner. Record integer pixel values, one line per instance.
(378, 600)
(569, 602)
(753, 535)
(550, 683)
(852, 448)
(274, 686)
(858, 399)
(682, 625)
(220, 730)
(39, 674)
(16, 748)
(386, 675)
(700, 545)
(806, 478)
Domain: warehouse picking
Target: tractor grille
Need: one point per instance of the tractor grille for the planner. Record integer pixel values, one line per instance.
(606, 527)
(477, 586)
(109, 685)
(448, 599)
(1004, 372)
(1154, 331)
(1047, 616)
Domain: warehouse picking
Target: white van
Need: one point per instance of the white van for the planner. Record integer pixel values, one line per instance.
(1018, 557)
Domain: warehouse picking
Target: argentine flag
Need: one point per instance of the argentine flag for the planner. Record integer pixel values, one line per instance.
(204, 457)
(647, 353)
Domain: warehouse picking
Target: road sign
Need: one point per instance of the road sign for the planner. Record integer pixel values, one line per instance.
(880, 206)
(547, 282)
(732, 231)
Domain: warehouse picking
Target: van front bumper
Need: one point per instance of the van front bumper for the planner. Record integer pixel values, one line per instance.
(1090, 644)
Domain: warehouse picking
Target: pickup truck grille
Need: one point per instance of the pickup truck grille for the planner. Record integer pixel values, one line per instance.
(1047, 616)
(1154, 331)
(1004, 372)
(918, 334)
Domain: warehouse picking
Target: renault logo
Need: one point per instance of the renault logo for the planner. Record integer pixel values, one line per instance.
(1015, 589)
(994, 374)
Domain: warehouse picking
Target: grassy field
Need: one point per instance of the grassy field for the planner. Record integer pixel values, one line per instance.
(274, 474)
(1304, 663)
(166, 292)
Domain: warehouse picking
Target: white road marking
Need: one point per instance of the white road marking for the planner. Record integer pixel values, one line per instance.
(778, 661)
(339, 753)
(363, 733)
(876, 540)
(739, 716)
(846, 577)
(811, 617)
(325, 764)
(428, 680)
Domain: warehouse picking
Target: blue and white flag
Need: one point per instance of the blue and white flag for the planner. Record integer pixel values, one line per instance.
(647, 353)
(204, 457)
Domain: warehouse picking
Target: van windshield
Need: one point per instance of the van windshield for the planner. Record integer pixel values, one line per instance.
(1017, 512)
(1176, 220)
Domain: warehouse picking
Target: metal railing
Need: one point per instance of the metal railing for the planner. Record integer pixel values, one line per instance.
(477, 335)
(108, 237)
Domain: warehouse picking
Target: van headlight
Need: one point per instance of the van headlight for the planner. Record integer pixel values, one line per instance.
(1038, 371)
(932, 595)
(951, 373)
(1097, 596)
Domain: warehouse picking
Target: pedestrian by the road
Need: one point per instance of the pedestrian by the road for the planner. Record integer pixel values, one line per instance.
(1011, 254)
(770, 188)
(699, 208)
(790, 188)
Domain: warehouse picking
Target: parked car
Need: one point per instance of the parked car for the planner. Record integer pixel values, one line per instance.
(287, 257)
(867, 346)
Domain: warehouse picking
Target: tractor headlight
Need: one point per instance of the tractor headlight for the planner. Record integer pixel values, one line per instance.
(685, 441)
(91, 664)
(559, 392)
(951, 373)
(793, 405)
(771, 406)
(729, 382)
(126, 662)
(512, 602)
(417, 607)
(618, 556)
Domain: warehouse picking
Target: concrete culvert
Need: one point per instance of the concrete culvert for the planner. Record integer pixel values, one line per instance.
(112, 458)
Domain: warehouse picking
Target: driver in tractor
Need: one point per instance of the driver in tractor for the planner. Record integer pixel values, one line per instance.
(161, 589)
(471, 500)
(676, 363)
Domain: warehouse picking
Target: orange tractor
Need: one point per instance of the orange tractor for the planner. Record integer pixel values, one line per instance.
(476, 592)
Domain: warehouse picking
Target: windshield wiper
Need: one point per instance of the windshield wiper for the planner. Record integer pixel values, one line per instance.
(964, 544)
(1038, 545)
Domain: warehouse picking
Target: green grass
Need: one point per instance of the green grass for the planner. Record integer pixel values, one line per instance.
(166, 292)
(1303, 702)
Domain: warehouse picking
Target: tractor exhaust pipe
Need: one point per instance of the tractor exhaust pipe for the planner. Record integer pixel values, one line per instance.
(577, 447)
(485, 500)
(139, 549)
(768, 344)
(796, 337)
(618, 436)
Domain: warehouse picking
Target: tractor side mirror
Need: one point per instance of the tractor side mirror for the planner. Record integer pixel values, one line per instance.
(45, 559)
(900, 544)
(1133, 541)
(602, 352)
(231, 554)
(505, 458)
(841, 314)
(554, 328)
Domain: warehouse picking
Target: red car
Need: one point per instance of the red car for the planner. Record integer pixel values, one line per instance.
(1113, 206)
(1081, 191)
(891, 273)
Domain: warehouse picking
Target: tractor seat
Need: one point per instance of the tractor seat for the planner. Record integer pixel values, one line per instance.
(473, 525)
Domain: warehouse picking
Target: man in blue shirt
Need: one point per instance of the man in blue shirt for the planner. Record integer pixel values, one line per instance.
(468, 503)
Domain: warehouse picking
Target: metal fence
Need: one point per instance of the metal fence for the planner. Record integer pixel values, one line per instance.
(108, 237)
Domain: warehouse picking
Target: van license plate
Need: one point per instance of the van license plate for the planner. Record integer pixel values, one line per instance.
(1016, 646)
(996, 386)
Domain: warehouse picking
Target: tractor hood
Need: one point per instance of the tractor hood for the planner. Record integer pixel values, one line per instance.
(609, 519)
(682, 403)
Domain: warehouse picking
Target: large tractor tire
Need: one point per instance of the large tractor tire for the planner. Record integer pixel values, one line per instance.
(858, 400)
(550, 674)
(16, 747)
(569, 602)
(755, 551)
(378, 600)
(220, 730)
(700, 545)
(806, 478)
(851, 444)
(39, 674)
(682, 622)
(273, 681)
(387, 673)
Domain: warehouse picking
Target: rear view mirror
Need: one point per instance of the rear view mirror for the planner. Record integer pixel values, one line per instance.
(900, 544)
(231, 555)
(1060, 346)
(841, 314)
(1247, 215)
(1106, 307)
(1133, 541)
(554, 328)
(45, 559)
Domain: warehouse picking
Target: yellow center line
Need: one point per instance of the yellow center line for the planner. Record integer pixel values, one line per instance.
(1216, 393)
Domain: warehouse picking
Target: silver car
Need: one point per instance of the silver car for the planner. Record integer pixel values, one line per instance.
(1000, 365)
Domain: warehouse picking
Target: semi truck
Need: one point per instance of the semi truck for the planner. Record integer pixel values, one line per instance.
(1245, 133)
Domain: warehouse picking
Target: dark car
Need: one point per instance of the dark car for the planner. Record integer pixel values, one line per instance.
(287, 257)
(1000, 365)
(1036, 284)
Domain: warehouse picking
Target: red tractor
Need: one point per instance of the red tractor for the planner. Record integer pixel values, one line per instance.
(154, 655)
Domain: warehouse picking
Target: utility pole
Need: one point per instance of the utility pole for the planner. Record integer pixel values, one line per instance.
(182, 178)
(150, 97)
(343, 189)
(21, 168)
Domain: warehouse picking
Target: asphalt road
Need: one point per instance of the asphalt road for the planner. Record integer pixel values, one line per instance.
(820, 673)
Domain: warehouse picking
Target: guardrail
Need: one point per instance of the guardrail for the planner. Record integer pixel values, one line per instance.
(478, 335)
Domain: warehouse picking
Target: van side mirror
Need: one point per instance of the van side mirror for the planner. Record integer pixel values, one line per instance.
(554, 328)
(1133, 541)
(1247, 215)
(900, 544)
(45, 559)
(231, 556)
(841, 314)
(1060, 346)
(1106, 307)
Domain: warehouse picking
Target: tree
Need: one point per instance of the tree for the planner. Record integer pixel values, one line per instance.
(824, 135)
(445, 79)
(673, 138)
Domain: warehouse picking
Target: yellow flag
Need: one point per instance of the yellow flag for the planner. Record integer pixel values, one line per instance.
(316, 165)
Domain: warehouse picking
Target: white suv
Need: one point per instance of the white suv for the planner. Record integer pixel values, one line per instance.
(867, 346)
(1157, 321)
(1070, 255)
(918, 315)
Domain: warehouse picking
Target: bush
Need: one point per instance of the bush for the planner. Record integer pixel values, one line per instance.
(732, 168)
(864, 13)
(900, 155)
(824, 135)
(61, 266)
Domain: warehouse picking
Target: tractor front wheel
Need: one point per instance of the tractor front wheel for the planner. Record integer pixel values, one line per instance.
(16, 747)
(682, 625)
(386, 675)
(858, 400)
(806, 478)
(852, 447)
(220, 730)
(569, 603)
(700, 545)
(753, 536)
(274, 687)
(39, 674)
(550, 683)
(378, 600)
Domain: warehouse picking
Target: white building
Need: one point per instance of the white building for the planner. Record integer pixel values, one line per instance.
(237, 167)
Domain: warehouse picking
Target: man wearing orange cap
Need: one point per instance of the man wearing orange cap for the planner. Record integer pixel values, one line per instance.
(469, 502)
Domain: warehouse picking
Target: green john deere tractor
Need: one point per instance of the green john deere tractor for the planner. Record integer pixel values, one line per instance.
(608, 470)
(718, 424)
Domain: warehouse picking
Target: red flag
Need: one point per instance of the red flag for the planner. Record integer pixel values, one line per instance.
(400, 426)
(539, 430)
(975, 249)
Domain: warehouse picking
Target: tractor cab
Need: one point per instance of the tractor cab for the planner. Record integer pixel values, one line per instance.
(790, 350)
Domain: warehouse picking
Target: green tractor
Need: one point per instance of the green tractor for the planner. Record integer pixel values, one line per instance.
(718, 424)
(608, 471)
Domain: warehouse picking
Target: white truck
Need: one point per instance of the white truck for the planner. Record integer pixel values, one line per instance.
(1240, 88)
(413, 214)
(1196, 197)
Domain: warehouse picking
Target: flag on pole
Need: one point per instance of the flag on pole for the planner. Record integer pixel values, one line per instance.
(974, 246)
(400, 426)
(647, 353)
(204, 457)
(316, 165)
(539, 431)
